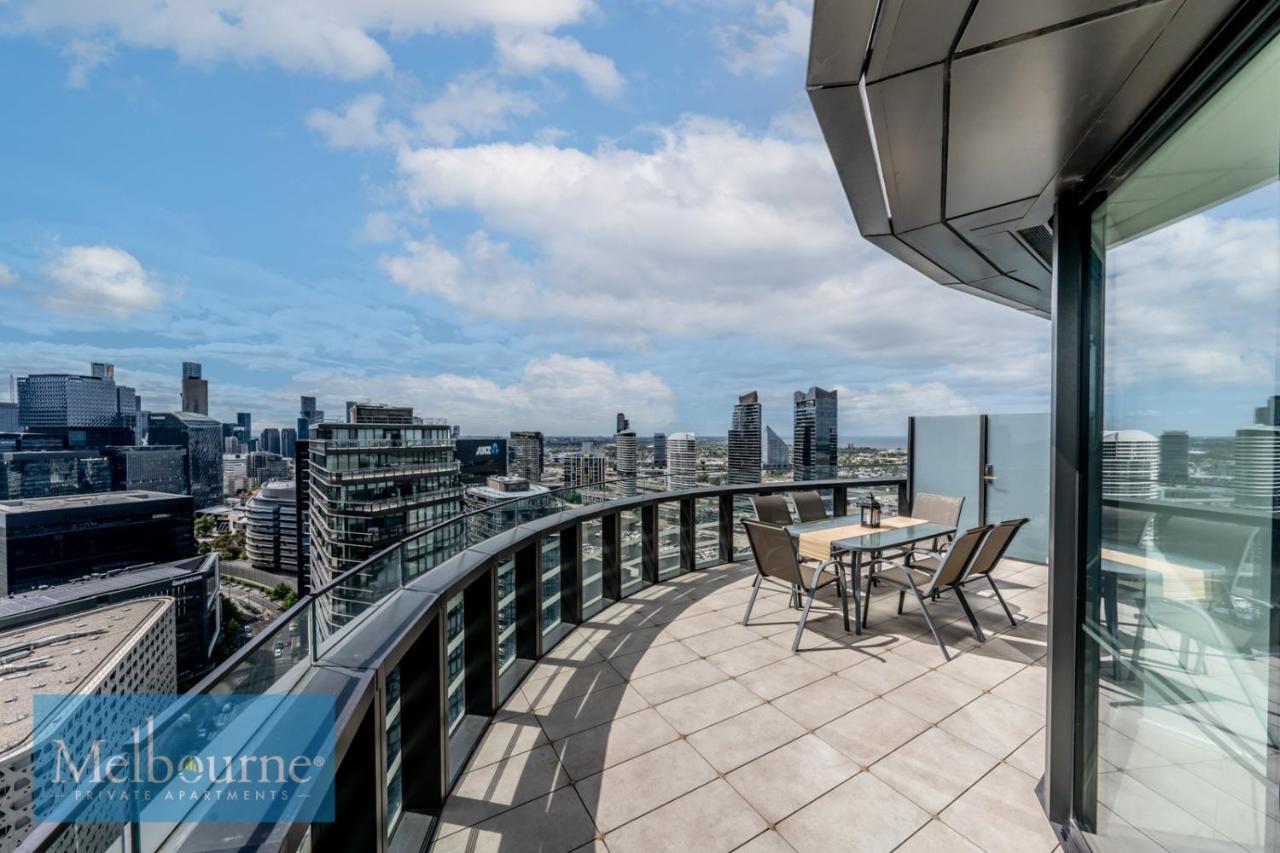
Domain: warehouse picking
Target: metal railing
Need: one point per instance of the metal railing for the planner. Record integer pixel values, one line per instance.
(512, 597)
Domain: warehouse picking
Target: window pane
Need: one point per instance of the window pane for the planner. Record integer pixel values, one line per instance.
(1181, 608)
(550, 582)
(592, 564)
(668, 539)
(632, 537)
(506, 613)
(707, 541)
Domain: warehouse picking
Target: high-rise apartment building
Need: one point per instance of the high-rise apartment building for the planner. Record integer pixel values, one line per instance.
(622, 423)
(1130, 464)
(660, 450)
(9, 417)
(195, 389)
(201, 437)
(1256, 474)
(682, 461)
(1175, 457)
(526, 449)
(375, 480)
(744, 440)
(582, 469)
(288, 442)
(269, 441)
(814, 447)
(625, 455)
(271, 537)
(244, 430)
(777, 454)
(503, 502)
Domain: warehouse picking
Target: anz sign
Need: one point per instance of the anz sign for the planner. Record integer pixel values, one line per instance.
(494, 449)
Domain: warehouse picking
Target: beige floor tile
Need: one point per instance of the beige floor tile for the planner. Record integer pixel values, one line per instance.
(569, 655)
(766, 842)
(711, 819)
(1029, 758)
(584, 712)
(933, 769)
(993, 725)
(616, 642)
(628, 790)
(982, 671)
(721, 639)
(779, 782)
(707, 706)
(868, 733)
(558, 821)
(822, 701)
(677, 681)
(655, 659)
(882, 673)
(863, 814)
(752, 656)
(733, 742)
(568, 683)
(487, 791)
(933, 696)
(508, 737)
(936, 837)
(1001, 814)
(1027, 688)
(778, 679)
(588, 752)
(700, 624)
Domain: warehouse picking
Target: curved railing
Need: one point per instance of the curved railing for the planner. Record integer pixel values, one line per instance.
(497, 605)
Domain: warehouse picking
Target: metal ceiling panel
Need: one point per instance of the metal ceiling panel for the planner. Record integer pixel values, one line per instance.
(1018, 111)
(907, 114)
(939, 241)
(994, 20)
(914, 33)
(838, 46)
(912, 258)
(844, 125)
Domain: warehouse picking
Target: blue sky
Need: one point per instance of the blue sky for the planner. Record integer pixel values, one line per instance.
(511, 214)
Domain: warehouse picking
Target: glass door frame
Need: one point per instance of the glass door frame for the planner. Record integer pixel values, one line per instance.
(1068, 788)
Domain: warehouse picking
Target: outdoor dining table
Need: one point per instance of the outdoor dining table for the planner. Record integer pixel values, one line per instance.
(841, 538)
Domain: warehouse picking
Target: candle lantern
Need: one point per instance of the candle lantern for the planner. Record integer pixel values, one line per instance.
(870, 509)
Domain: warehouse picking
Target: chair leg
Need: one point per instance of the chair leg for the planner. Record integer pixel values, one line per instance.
(929, 621)
(1007, 611)
(843, 592)
(968, 611)
(804, 617)
(902, 597)
(866, 597)
(755, 588)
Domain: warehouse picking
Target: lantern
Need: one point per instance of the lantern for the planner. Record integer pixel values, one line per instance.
(871, 509)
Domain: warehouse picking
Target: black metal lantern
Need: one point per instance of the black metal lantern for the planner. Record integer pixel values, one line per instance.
(870, 511)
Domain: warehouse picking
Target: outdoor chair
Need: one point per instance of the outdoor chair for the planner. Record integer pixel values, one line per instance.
(772, 509)
(938, 509)
(923, 583)
(776, 561)
(1124, 527)
(988, 557)
(809, 506)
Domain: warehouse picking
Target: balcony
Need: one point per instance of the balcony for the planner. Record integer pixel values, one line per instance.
(664, 724)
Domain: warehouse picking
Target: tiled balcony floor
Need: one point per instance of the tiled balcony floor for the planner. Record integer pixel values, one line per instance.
(664, 724)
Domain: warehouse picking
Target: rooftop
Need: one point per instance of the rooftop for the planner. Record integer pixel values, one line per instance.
(664, 724)
(26, 505)
(99, 584)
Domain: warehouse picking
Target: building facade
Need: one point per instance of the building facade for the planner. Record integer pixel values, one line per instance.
(660, 450)
(200, 437)
(154, 468)
(1130, 464)
(480, 458)
(270, 441)
(526, 449)
(271, 534)
(85, 411)
(373, 481)
(582, 469)
(504, 502)
(52, 473)
(745, 440)
(815, 443)
(682, 461)
(1175, 458)
(52, 540)
(195, 389)
(9, 418)
(777, 453)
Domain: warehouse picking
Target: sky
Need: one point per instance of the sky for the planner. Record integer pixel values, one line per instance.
(515, 214)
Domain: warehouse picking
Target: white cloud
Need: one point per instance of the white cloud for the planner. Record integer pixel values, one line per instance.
(331, 37)
(779, 32)
(711, 232)
(883, 409)
(100, 279)
(382, 226)
(528, 52)
(558, 394)
(359, 125)
(8, 277)
(85, 55)
(472, 105)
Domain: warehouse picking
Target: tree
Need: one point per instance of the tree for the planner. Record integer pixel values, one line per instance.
(205, 526)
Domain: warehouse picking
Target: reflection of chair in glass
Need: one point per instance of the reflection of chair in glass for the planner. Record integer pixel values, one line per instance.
(776, 560)
(809, 506)
(772, 509)
(923, 583)
(1124, 527)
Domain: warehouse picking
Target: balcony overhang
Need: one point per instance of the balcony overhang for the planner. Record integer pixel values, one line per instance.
(954, 124)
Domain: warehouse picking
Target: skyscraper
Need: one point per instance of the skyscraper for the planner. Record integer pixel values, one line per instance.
(776, 454)
(9, 417)
(270, 441)
(373, 481)
(682, 461)
(1256, 476)
(581, 469)
(623, 423)
(201, 437)
(1175, 451)
(308, 415)
(288, 442)
(244, 429)
(660, 449)
(195, 390)
(155, 468)
(814, 449)
(271, 537)
(84, 411)
(1130, 464)
(625, 457)
(102, 370)
(526, 449)
(744, 440)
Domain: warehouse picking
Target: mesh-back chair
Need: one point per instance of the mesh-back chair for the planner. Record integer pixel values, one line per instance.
(938, 509)
(776, 560)
(988, 557)
(772, 509)
(1124, 526)
(809, 506)
(923, 583)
